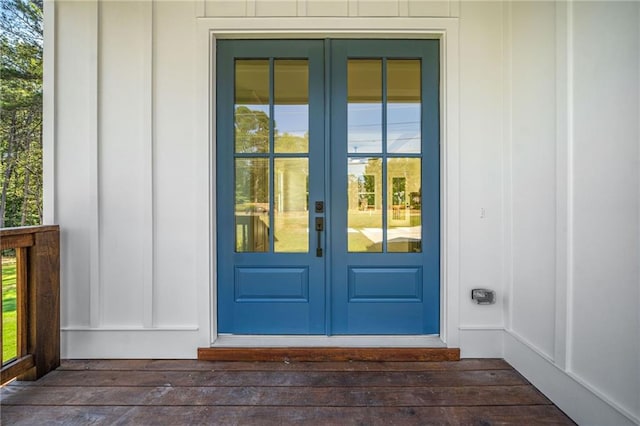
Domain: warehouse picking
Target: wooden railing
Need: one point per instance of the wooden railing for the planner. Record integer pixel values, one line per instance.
(38, 301)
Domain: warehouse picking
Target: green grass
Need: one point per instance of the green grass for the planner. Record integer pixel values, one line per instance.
(9, 313)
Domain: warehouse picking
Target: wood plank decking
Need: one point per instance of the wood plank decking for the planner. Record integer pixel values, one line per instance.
(176, 392)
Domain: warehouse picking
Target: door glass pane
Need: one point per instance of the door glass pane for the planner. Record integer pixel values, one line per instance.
(291, 205)
(364, 192)
(251, 109)
(291, 105)
(403, 105)
(252, 204)
(404, 204)
(364, 108)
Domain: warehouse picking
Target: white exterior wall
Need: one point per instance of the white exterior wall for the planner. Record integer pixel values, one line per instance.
(481, 157)
(606, 252)
(543, 179)
(131, 180)
(573, 324)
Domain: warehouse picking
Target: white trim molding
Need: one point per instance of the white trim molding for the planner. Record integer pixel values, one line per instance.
(159, 343)
(481, 342)
(444, 29)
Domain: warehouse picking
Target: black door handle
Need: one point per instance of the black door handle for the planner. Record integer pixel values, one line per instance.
(319, 229)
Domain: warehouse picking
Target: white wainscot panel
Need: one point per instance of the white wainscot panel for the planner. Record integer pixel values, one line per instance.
(481, 210)
(123, 104)
(276, 7)
(176, 214)
(378, 8)
(534, 172)
(606, 239)
(327, 7)
(219, 8)
(429, 8)
(75, 117)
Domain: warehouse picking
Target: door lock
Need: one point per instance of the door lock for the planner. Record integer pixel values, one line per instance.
(319, 206)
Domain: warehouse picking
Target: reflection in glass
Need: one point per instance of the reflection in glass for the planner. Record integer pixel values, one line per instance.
(291, 105)
(364, 108)
(251, 110)
(291, 205)
(403, 105)
(364, 194)
(252, 204)
(404, 204)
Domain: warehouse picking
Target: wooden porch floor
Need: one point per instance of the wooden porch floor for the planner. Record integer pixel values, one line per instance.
(177, 392)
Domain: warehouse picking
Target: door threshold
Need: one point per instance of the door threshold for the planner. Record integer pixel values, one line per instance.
(328, 348)
(273, 341)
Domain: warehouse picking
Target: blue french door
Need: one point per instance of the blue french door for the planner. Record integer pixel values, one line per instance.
(328, 183)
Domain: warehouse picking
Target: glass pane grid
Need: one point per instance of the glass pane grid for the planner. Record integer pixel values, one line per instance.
(271, 128)
(384, 165)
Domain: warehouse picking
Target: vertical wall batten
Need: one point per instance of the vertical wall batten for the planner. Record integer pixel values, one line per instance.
(251, 7)
(148, 255)
(570, 174)
(562, 181)
(403, 7)
(301, 8)
(507, 161)
(95, 305)
(353, 7)
(200, 9)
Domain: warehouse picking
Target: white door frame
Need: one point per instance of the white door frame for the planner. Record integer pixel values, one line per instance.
(444, 29)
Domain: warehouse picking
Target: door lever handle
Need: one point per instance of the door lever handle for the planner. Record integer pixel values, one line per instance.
(319, 229)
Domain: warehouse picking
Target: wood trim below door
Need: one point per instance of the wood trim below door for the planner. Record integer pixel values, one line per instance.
(329, 354)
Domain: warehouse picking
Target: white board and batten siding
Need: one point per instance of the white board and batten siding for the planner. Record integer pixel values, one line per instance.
(128, 172)
(330, 8)
(542, 144)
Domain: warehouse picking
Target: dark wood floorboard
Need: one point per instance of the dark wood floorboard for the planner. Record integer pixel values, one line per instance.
(195, 365)
(283, 378)
(176, 392)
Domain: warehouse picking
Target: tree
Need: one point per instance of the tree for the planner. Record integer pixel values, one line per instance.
(21, 44)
